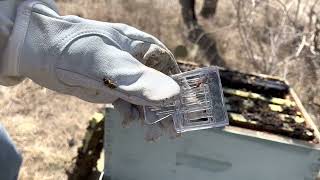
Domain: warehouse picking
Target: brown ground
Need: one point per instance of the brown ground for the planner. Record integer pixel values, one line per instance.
(42, 122)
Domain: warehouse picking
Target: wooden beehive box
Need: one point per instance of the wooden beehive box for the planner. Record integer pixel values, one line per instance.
(270, 136)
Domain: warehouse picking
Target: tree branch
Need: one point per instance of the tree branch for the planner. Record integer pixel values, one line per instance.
(197, 35)
(209, 8)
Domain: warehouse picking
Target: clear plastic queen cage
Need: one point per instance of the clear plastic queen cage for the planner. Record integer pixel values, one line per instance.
(199, 105)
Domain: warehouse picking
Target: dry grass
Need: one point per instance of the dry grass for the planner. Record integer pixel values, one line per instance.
(160, 18)
(41, 122)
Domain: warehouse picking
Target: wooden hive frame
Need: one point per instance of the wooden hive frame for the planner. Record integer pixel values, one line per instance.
(291, 97)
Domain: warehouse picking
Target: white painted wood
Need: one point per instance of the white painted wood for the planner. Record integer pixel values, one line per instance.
(206, 155)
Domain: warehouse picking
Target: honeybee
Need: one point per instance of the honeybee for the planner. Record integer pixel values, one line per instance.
(201, 82)
(109, 83)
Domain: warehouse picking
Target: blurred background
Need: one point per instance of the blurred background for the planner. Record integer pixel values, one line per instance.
(275, 37)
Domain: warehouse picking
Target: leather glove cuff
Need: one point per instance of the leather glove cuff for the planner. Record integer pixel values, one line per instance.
(9, 63)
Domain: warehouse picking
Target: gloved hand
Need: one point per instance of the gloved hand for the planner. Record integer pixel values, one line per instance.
(96, 61)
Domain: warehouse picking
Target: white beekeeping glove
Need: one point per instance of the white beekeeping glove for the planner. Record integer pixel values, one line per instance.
(96, 61)
(8, 9)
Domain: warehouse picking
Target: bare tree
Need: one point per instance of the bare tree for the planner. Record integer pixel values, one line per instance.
(196, 33)
(282, 38)
(209, 8)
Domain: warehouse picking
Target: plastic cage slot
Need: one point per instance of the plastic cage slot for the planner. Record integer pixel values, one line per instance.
(199, 105)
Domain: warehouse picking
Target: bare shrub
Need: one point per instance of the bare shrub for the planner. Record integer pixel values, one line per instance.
(280, 38)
